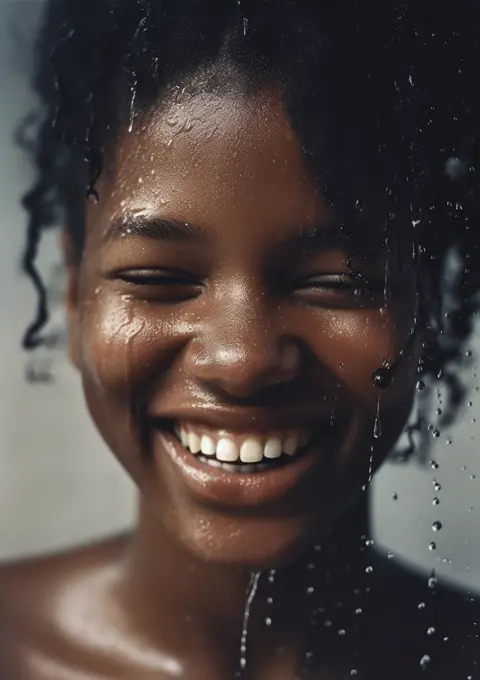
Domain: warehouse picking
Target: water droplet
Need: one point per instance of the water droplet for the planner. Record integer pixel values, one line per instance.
(269, 600)
(434, 465)
(438, 411)
(436, 501)
(436, 434)
(382, 377)
(421, 605)
(358, 205)
(390, 555)
(432, 582)
(369, 570)
(449, 441)
(436, 485)
(353, 672)
(431, 630)
(369, 542)
(358, 611)
(342, 632)
(328, 623)
(268, 621)
(473, 476)
(310, 590)
(377, 428)
(424, 661)
(92, 196)
(436, 526)
(251, 592)
(432, 546)
(420, 386)
(395, 496)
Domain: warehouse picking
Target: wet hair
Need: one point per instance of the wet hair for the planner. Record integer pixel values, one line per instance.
(382, 87)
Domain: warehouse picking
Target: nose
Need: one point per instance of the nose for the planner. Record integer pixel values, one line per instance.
(241, 348)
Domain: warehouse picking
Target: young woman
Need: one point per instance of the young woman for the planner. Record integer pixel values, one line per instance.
(268, 215)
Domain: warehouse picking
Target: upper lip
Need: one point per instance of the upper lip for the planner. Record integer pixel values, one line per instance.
(246, 419)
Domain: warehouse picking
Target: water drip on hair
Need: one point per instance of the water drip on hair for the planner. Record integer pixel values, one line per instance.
(377, 426)
(133, 100)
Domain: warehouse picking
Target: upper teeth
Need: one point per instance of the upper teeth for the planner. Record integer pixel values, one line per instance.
(246, 448)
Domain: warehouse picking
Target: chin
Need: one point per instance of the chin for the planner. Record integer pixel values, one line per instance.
(255, 543)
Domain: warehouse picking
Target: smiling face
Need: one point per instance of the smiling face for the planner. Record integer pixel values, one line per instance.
(216, 306)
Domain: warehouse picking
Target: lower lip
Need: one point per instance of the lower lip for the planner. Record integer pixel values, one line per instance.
(235, 489)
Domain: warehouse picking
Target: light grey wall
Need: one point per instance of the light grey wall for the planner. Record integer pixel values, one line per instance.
(58, 483)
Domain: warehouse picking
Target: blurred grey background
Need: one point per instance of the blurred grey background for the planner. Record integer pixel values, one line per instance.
(59, 486)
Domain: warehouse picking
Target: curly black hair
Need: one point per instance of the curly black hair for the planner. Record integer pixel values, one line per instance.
(384, 85)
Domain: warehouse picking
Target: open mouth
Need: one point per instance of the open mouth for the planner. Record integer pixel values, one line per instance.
(234, 468)
(244, 453)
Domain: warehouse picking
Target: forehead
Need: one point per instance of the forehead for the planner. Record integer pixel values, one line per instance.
(200, 156)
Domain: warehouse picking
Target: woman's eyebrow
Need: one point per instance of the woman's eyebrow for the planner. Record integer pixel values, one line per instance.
(351, 236)
(173, 231)
(315, 237)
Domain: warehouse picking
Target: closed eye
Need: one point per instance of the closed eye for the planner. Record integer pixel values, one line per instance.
(163, 285)
(340, 290)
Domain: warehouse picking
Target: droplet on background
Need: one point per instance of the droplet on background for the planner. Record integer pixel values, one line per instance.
(436, 526)
(424, 661)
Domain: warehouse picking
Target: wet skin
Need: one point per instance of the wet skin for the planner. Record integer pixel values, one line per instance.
(241, 320)
(214, 288)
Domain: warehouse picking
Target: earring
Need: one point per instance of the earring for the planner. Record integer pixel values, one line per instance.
(382, 377)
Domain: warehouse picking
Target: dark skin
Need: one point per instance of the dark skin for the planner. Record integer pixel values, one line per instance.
(251, 331)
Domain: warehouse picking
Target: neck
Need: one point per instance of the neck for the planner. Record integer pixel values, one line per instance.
(174, 597)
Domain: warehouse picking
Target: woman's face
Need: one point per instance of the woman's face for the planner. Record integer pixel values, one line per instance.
(215, 300)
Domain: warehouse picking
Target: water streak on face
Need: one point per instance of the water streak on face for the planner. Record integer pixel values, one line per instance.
(215, 288)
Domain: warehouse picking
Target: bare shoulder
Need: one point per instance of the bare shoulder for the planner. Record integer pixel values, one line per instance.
(43, 605)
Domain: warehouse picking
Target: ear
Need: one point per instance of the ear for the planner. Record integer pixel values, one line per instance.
(71, 260)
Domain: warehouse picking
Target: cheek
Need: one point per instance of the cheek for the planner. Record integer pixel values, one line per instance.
(123, 349)
(353, 345)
